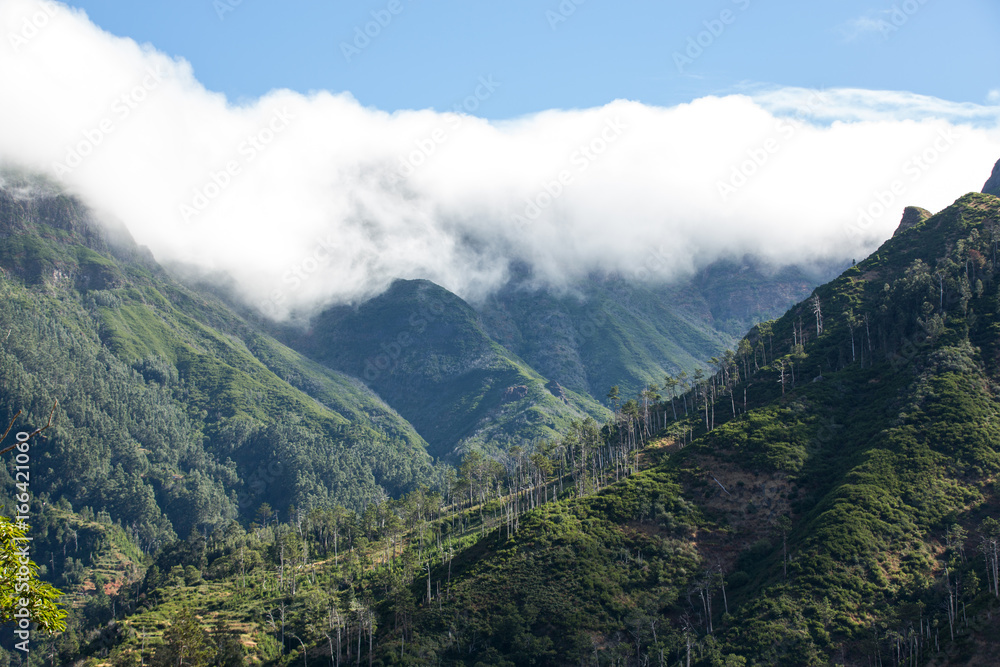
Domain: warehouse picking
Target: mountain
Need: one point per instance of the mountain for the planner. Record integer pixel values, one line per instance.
(846, 515)
(425, 351)
(181, 415)
(828, 496)
(526, 361)
(348, 410)
(912, 216)
(174, 412)
(610, 331)
(992, 186)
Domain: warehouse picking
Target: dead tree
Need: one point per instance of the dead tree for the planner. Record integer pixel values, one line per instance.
(30, 435)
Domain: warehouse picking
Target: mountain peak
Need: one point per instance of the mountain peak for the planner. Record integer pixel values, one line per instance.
(912, 215)
(992, 186)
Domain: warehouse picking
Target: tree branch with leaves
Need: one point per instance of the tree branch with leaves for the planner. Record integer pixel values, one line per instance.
(20, 587)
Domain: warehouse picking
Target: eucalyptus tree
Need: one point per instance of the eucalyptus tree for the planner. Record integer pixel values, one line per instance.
(670, 384)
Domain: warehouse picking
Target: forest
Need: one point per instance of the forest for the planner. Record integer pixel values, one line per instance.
(824, 493)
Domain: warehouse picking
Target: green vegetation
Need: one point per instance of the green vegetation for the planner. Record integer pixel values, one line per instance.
(840, 504)
(425, 352)
(21, 590)
(828, 492)
(612, 331)
(175, 413)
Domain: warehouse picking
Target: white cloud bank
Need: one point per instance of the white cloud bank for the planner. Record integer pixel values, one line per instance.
(310, 200)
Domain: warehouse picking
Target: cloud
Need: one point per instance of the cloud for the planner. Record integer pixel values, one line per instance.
(861, 26)
(857, 104)
(307, 200)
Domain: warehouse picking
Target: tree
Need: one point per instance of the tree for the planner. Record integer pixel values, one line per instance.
(649, 398)
(730, 370)
(818, 312)
(185, 644)
(20, 588)
(264, 514)
(852, 324)
(19, 583)
(31, 435)
(767, 329)
(614, 397)
(990, 547)
(670, 384)
(784, 525)
(745, 350)
(126, 659)
(682, 379)
(228, 649)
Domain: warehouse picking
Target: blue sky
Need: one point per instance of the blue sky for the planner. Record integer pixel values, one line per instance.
(432, 53)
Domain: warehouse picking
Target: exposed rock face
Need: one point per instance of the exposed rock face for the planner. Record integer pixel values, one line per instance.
(912, 215)
(992, 186)
(556, 390)
(516, 393)
(32, 212)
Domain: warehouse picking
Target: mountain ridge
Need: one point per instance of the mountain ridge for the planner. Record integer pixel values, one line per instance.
(831, 520)
(992, 185)
(219, 385)
(824, 493)
(424, 349)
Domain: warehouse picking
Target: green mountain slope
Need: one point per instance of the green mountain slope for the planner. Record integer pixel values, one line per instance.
(610, 331)
(174, 412)
(829, 496)
(844, 517)
(496, 373)
(425, 351)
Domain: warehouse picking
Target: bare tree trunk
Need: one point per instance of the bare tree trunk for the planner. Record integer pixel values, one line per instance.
(707, 428)
(868, 333)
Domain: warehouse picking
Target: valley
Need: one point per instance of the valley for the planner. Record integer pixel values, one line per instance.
(422, 480)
